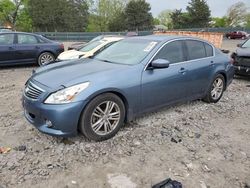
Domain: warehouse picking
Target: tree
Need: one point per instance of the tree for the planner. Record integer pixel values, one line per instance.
(59, 15)
(180, 19)
(219, 22)
(9, 11)
(236, 14)
(138, 15)
(199, 13)
(165, 18)
(247, 24)
(106, 14)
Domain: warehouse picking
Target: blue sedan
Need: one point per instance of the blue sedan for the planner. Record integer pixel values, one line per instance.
(136, 75)
(27, 48)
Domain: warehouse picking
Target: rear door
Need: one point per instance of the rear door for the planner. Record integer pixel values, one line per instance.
(27, 48)
(200, 65)
(7, 48)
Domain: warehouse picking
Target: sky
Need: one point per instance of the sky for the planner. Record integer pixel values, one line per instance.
(218, 7)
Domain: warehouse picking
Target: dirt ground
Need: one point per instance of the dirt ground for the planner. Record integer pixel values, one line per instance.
(201, 145)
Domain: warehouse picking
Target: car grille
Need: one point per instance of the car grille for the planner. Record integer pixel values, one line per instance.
(32, 91)
(243, 61)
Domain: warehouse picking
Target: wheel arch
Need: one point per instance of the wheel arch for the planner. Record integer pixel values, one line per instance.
(128, 111)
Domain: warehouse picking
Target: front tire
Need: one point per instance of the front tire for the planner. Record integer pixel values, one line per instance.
(103, 117)
(45, 58)
(216, 89)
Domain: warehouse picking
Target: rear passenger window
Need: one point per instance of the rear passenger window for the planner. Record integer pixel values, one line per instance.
(196, 49)
(26, 39)
(172, 52)
(209, 50)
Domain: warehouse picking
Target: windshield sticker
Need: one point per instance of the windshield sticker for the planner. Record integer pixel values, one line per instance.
(150, 46)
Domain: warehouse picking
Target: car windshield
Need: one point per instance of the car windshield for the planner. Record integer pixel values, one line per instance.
(91, 46)
(246, 44)
(129, 52)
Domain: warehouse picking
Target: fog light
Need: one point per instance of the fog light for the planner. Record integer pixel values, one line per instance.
(48, 123)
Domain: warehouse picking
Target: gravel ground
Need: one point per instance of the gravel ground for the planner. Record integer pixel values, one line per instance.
(201, 145)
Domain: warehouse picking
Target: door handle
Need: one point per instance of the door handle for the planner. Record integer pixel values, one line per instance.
(212, 63)
(182, 70)
(37, 47)
(11, 48)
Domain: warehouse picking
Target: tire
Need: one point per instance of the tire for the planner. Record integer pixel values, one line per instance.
(214, 95)
(45, 58)
(229, 37)
(243, 38)
(97, 111)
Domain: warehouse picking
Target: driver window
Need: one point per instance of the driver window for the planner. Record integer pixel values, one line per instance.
(173, 52)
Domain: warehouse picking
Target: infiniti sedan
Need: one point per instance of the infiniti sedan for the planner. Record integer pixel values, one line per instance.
(133, 76)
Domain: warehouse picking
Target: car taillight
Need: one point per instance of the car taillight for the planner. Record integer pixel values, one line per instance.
(61, 46)
(232, 61)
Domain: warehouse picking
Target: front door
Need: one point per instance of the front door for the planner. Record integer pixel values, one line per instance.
(165, 86)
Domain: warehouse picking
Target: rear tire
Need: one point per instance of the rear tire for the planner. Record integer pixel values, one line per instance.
(103, 117)
(216, 90)
(45, 58)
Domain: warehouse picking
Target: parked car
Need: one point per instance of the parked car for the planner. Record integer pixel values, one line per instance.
(237, 35)
(5, 30)
(242, 59)
(131, 77)
(27, 48)
(78, 45)
(93, 47)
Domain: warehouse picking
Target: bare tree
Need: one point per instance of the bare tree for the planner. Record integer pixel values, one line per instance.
(236, 14)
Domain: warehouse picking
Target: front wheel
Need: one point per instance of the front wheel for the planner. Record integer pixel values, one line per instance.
(216, 89)
(102, 117)
(45, 58)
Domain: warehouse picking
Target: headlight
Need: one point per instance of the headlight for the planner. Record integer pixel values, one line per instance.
(66, 95)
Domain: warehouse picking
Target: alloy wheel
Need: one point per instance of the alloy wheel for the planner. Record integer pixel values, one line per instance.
(217, 88)
(105, 118)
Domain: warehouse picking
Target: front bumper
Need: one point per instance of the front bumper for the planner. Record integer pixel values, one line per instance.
(242, 70)
(64, 118)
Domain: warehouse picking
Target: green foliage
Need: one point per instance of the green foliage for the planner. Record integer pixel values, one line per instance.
(247, 24)
(58, 15)
(138, 15)
(199, 13)
(165, 18)
(179, 19)
(219, 22)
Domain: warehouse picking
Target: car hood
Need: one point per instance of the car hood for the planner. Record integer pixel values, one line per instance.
(243, 52)
(70, 54)
(67, 72)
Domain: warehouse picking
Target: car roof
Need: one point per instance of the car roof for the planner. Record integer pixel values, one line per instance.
(165, 38)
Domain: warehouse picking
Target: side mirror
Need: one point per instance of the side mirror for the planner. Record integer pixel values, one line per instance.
(239, 45)
(160, 64)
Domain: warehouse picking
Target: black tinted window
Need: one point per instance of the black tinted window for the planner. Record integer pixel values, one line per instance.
(172, 52)
(26, 39)
(6, 39)
(196, 49)
(209, 50)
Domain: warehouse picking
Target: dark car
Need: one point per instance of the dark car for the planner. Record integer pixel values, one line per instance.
(237, 35)
(131, 77)
(27, 48)
(242, 59)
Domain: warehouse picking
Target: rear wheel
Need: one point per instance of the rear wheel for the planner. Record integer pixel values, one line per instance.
(45, 58)
(102, 117)
(216, 89)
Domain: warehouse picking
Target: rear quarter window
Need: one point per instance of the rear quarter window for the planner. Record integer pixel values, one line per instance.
(209, 50)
